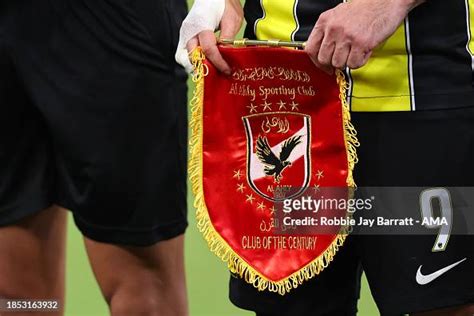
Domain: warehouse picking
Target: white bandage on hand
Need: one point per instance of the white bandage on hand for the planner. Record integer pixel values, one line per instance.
(205, 15)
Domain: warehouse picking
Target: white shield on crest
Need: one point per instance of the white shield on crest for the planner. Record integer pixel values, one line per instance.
(278, 153)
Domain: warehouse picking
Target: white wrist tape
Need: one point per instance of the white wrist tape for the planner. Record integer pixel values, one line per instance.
(205, 15)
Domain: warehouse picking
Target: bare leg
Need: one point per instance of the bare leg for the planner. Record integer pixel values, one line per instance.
(32, 260)
(141, 280)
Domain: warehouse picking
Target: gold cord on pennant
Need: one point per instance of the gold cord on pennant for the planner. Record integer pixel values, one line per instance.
(216, 242)
(350, 133)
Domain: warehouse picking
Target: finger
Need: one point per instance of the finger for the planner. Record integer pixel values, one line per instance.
(341, 54)
(208, 42)
(357, 58)
(314, 43)
(322, 62)
(192, 44)
(326, 51)
(327, 69)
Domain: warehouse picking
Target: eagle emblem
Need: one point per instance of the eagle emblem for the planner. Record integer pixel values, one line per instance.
(271, 149)
(274, 165)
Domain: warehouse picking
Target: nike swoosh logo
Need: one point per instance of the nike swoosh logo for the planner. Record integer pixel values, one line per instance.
(425, 279)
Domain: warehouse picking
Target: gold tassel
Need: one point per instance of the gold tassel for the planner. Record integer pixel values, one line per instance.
(215, 242)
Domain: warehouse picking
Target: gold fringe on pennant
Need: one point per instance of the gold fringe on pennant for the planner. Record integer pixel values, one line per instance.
(350, 133)
(216, 243)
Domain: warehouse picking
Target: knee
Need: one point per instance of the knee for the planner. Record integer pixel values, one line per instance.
(142, 281)
(124, 302)
(148, 297)
(137, 295)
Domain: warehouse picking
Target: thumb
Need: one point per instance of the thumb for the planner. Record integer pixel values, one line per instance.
(231, 19)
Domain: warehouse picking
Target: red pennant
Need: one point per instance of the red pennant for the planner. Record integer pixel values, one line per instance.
(276, 123)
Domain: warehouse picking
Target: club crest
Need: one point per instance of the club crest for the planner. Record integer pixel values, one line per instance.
(278, 153)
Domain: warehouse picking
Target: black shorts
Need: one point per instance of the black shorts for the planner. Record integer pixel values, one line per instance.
(404, 149)
(93, 116)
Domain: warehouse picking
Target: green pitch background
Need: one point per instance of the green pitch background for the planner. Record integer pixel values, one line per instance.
(207, 279)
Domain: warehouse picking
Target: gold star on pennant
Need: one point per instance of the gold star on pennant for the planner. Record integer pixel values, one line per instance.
(272, 210)
(319, 174)
(281, 105)
(240, 188)
(316, 188)
(294, 106)
(237, 174)
(252, 108)
(266, 106)
(261, 206)
(250, 198)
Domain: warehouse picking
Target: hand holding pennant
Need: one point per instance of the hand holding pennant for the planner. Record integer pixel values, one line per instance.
(276, 129)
